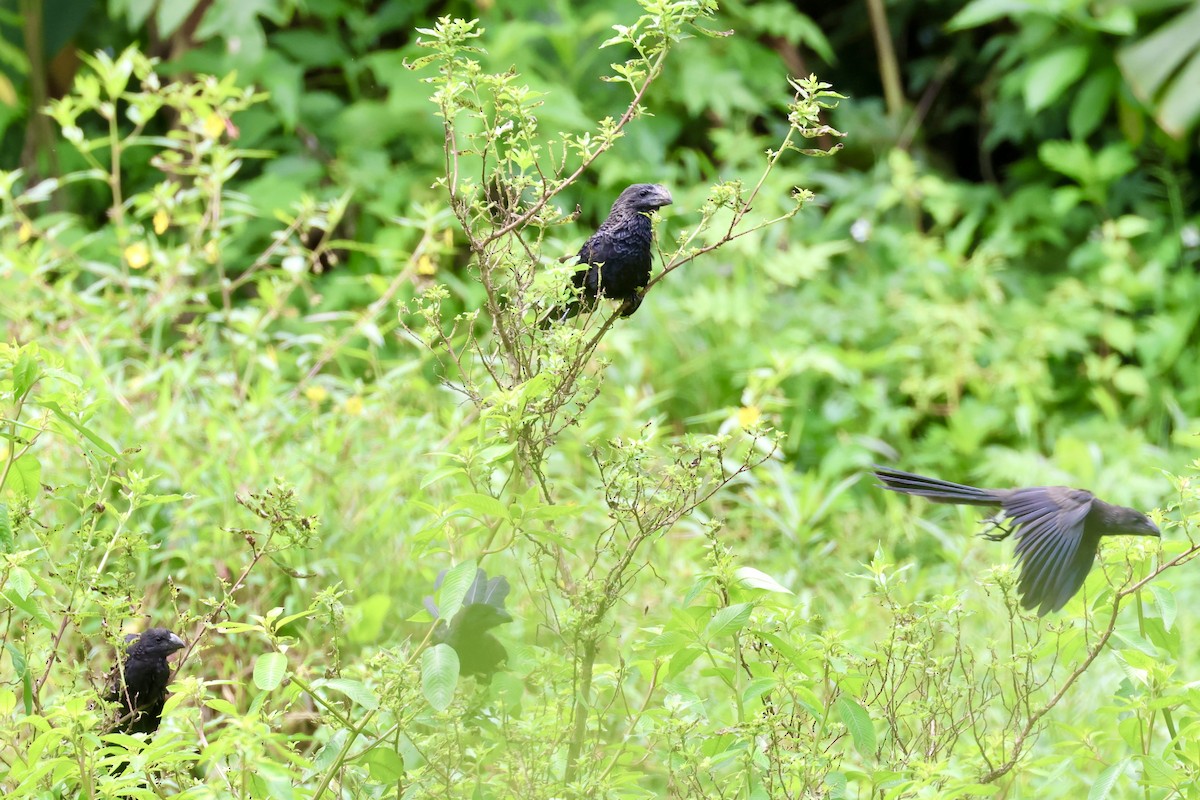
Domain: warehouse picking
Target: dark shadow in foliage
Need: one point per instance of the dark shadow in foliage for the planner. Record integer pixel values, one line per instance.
(480, 654)
(138, 683)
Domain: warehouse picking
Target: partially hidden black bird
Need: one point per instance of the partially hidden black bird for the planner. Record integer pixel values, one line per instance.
(1058, 530)
(479, 652)
(138, 684)
(616, 260)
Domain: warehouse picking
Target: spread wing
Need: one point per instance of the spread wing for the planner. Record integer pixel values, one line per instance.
(1051, 551)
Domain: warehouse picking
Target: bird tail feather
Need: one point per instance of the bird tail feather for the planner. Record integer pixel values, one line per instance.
(938, 491)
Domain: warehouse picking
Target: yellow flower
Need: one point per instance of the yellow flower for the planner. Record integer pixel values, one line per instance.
(214, 125)
(316, 394)
(25, 232)
(137, 255)
(748, 416)
(426, 265)
(354, 405)
(161, 221)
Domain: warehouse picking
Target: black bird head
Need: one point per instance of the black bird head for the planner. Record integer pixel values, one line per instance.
(1128, 521)
(154, 642)
(644, 197)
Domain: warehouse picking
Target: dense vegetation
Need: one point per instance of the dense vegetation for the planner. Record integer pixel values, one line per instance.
(272, 377)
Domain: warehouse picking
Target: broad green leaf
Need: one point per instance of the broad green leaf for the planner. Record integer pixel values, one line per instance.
(31, 607)
(222, 706)
(386, 765)
(439, 675)
(1157, 772)
(7, 540)
(1164, 65)
(1179, 109)
(440, 473)
(25, 373)
(858, 722)
(25, 477)
(1048, 77)
(88, 434)
(1165, 601)
(1106, 780)
(170, 16)
(981, 12)
(482, 503)
(757, 688)
(727, 621)
(454, 588)
(355, 690)
(1092, 102)
(757, 579)
(836, 781)
(269, 669)
(21, 582)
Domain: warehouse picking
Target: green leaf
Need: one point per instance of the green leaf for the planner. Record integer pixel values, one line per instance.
(170, 16)
(1092, 102)
(25, 373)
(1105, 782)
(757, 579)
(454, 588)
(981, 12)
(727, 621)
(25, 477)
(1168, 609)
(858, 722)
(385, 765)
(7, 540)
(482, 503)
(440, 473)
(836, 781)
(21, 582)
(355, 690)
(269, 669)
(1165, 65)
(31, 607)
(91, 436)
(757, 688)
(1179, 108)
(439, 675)
(1160, 774)
(1048, 77)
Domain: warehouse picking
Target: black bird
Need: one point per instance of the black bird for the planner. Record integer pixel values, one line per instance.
(479, 652)
(616, 259)
(138, 684)
(1058, 529)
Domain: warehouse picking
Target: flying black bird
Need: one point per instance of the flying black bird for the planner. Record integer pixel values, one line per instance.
(615, 261)
(138, 684)
(1058, 530)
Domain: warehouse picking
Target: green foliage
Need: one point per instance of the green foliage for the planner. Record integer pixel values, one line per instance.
(255, 392)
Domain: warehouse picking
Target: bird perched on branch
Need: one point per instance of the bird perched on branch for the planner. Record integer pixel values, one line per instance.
(138, 684)
(615, 261)
(1058, 529)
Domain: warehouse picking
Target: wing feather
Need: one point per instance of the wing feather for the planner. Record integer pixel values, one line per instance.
(1049, 526)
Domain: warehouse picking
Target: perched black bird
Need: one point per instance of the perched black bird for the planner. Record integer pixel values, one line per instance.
(479, 652)
(617, 257)
(138, 684)
(1058, 529)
